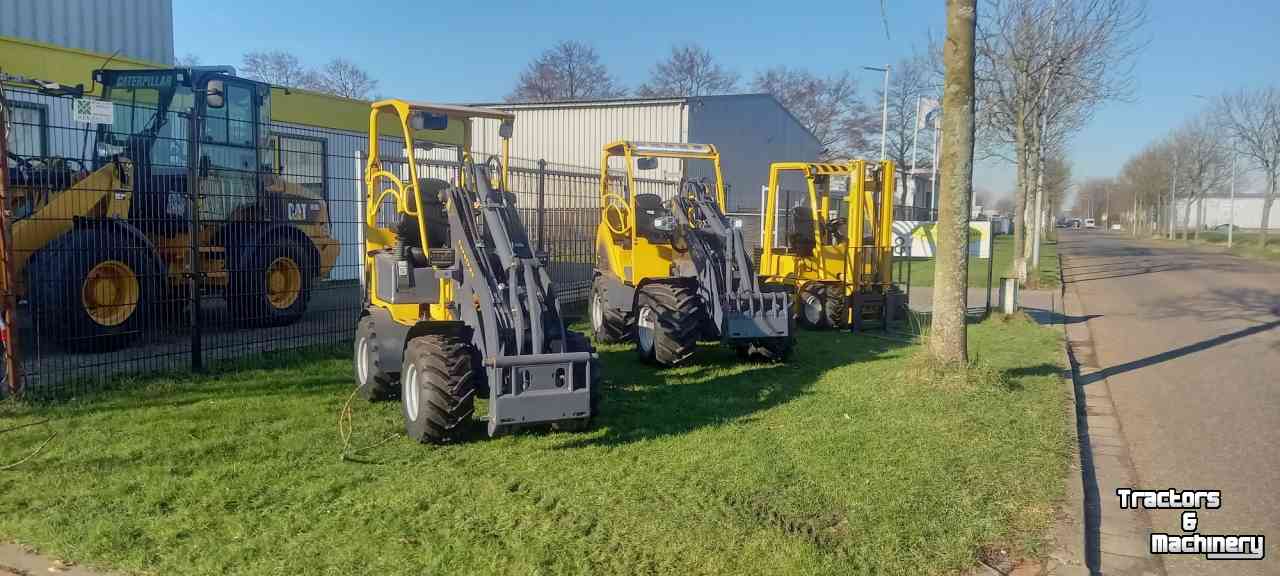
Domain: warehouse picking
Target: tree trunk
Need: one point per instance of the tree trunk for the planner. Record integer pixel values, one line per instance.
(1266, 206)
(1200, 216)
(1019, 221)
(1186, 220)
(948, 341)
(902, 182)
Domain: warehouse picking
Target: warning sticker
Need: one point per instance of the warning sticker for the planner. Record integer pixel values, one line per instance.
(92, 111)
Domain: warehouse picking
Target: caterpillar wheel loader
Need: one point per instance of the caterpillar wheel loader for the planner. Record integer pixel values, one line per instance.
(458, 304)
(101, 245)
(833, 255)
(669, 272)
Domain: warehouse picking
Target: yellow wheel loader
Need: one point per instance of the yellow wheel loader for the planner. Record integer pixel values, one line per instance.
(671, 271)
(175, 188)
(834, 255)
(458, 304)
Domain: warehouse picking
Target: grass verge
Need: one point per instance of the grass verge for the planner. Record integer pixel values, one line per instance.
(843, 461)
(1246, 244)
(1002, 252)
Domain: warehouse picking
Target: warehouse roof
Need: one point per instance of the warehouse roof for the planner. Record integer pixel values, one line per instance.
(620, 102)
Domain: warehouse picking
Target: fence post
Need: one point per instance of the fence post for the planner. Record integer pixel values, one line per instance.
(542, 205)
(8, 307)
(193, 203)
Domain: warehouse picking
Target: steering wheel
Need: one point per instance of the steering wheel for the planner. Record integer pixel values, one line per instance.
(836, 229)
(615, 204)
(494, 166)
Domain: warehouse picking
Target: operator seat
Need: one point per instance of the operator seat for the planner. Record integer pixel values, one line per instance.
(801, 237)
(649, 207)
(432, 190)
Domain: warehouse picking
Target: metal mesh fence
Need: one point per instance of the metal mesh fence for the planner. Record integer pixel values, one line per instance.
(155, 242)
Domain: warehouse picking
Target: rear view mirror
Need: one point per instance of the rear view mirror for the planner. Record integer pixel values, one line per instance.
(213, 96)
(428, 121)
(506, 128)
(646, 163)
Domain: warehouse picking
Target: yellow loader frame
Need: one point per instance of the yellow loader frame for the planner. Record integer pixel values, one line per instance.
(831, 283)
(381, 183)
(638, 260)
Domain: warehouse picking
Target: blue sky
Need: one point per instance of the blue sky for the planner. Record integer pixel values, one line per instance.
(473, 52)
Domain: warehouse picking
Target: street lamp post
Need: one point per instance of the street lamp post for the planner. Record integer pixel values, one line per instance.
(884, 108)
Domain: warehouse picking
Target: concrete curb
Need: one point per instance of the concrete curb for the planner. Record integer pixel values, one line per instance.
(1093, 535)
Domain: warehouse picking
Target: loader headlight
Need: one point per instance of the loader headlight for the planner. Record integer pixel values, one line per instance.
(664, 223)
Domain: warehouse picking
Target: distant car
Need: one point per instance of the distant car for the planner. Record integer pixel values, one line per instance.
(1089, 223)
(1075, 222)
(1116, 227)
(1224, 227)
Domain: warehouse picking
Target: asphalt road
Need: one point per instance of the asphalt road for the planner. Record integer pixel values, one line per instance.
(1188, 342)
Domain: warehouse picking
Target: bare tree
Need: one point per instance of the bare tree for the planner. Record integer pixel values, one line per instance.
(1143, 186)
(276, 67)
(342, 77)
(911, 81)
(1252, 119)
(828, 107)
(948, 342)
(187, 60)
(570, 70)
(1204, 164)
(689, 70)
(1057, 178)
(1091, 201)
(1082, 49)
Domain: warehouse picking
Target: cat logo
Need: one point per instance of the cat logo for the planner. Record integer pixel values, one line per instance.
(298, 211)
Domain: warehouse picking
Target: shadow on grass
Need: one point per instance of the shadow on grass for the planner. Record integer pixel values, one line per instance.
(644, 402)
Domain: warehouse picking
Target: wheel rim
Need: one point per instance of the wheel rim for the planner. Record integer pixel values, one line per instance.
(410, 393)
(645, 328)
(812, 309)
(362, 360)
(284, 282)
(597, 314)
(110, 292)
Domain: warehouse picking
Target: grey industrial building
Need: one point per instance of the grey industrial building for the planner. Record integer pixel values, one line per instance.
(138, 29)
(750, 130)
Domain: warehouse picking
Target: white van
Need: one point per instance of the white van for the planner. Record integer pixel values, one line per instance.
(1089, 223)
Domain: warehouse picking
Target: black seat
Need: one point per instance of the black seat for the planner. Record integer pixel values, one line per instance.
(432, 190)
(649, 207)
(801, 237)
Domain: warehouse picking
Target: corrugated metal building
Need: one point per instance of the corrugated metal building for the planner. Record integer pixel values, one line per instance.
(139, 29)
(751, 130)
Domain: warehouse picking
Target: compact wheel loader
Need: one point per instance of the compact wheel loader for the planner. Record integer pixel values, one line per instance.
(458, 304)
(833, 255)
(669, 272)
(103, 244)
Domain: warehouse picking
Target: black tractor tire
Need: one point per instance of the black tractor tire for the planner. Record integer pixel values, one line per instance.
(95, 290)
(837, 306)
(578, 342)
(608, 325)
(675, 313)
(811, 306)
(272, 286)
(373, 381)
(437, 388)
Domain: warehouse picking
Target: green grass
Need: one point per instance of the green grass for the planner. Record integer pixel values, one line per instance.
(844, 461)
(1002, 250)
(1247, 244)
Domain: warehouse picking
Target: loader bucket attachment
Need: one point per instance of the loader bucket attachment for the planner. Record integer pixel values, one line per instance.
(536, 388)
